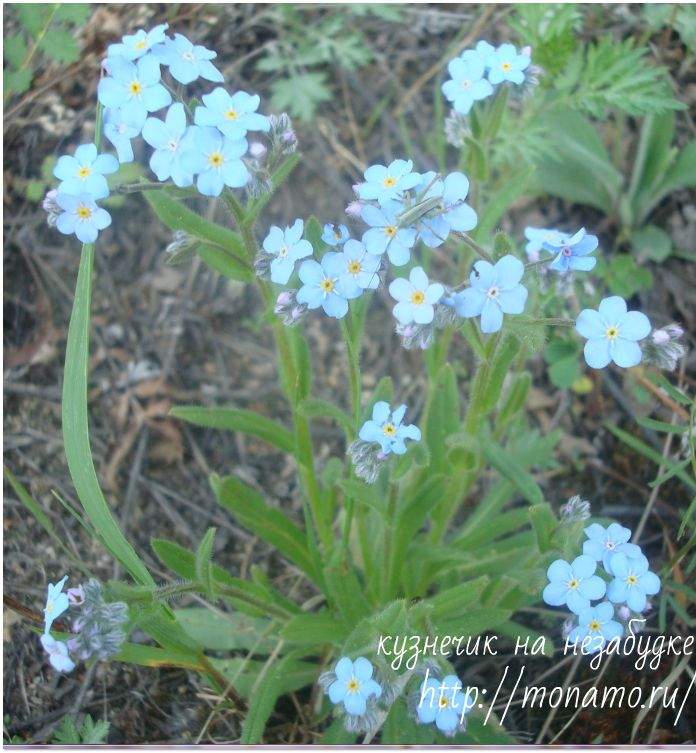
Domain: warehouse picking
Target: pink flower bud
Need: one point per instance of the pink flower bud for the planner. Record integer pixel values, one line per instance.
(257, 150)
(354, 209)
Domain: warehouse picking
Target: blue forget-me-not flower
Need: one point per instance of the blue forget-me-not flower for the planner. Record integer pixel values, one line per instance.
(633, 581)
(415, 297)
(573, 253)
(335, 236)
(134, 46)
(234, 114)
(84, 172)
(384, 183)
(322, 284)
(468, 83)
(360, 269)
(596, 627)
(120, 126)
(538, 237)
(187, 61)
(386, 235)
(451, 214)
(134, 87)
(354, 685)
(57, 653)
(216, 160)
(574, 584)
(81, 216)
(602, 543)
(612, 333)
(495, 290)
(386, 428)
(170, 140)
(287, 246)
(56, 602)
(506, 64)
(443, 702)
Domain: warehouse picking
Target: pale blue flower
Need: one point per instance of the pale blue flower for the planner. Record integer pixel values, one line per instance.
(56, 602)
(120, 127)
(335, 236)
(443, 702)
(171, 139)
(385, 234)
(451, 214)
(506, 64)
(386, 428)
(633, 581)
(216, 160)
(612, 333)
(387, 183)
(57, 653)
(81, 216)
(134, 87)
(467, 83)
(415, 297)
(322, 285)
(538, 237)
(233, 115)
(484, 50)
(288, 247)
(360, 270)
(133, 46)
(495, 290)
(596, 623)
(602, 543)
(574, 584)
(187, 61)
(84, 172)
(572, 253)
(354, 685)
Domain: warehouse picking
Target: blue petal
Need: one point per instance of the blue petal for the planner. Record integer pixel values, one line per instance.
(612, 309)
(625, 353)
(635, 326)
(491, 317)
(597, 353)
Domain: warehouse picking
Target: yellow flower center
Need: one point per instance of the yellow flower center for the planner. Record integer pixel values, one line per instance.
(49, 607)
(83, 212)
(573, 583)
(327, 285)
(443, 703)
(493, 292)
(390, 230)
(417, 297)
(466, 83)
(594, 626)
(631, 580)
(84, 172)
(141, 45)
(283, 252)
(354, 268)
(216, 159)
(352, 686)
(389, 430)
(612, 333)
(231, 114)
(506, 67)
(389, 182)
(135, 87)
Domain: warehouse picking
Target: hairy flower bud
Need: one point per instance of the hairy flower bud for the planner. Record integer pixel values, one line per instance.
(98, 629)
(575, 510)
(288, 309)
(367, 459)
(416, 335)
(257, 150)
(354, 209)
(50, 206)
(457, 129)
(282, 134)
(662, 348)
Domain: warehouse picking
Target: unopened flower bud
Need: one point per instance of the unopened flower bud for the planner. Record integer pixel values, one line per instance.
(367, 459)
(416, 335)
(354, 209)
(662, 347)
(257, 150)
(575, 510)
(457, 129)
(288, 308)
(51, 207)
(76, 596)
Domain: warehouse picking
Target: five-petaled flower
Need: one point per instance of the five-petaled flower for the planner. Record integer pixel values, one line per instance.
(335, 236)
(287, 246)
(234, 114)
(354, 685)
(451, 212)
(443, 702)
(84, 172)
(506, 64)
(360, 269)
(415, 297)
(57, 653)
(595, 628)
(538, 237)
(134, 46)
(633, 581)
(385, 233)
(322, 284)
(120, 126)
(573, 252)
(81, 216)
(612, 333)
(468, 83)
(495, 290)
(574, 584)
(171, 139)
(602, 543)
(386, 428)
(56, 602)
(387, 183)
(187, 61)
(216, 160)
(134, 87)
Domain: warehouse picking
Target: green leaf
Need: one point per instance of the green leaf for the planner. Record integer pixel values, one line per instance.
(76, 427)
(15, 50)
(17, 82)
(315, 407)
(313, 232)
(651, 242)
(565, 372)
(343, 589)
(73, 13)
(204, 554)
(34, 17)
(314, 629)
(501, 200)
(237, 419)
(624, 277)
(232, 631)
(301, 94)
(442, 416)
(478, 733)
(277, 179)
(544, 524)
(223, 262)
(510, 469)
(400, 728)
(269, 523)
(452, 601)
(60, 45)
(473, 621)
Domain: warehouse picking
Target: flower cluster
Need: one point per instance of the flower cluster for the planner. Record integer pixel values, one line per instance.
(352, 688)
(475, 72)
(209, 151)
(571, 252)
(97, 631)
(627, 585)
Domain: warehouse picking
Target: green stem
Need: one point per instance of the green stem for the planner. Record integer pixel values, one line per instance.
(353, 373)
(389, 533)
